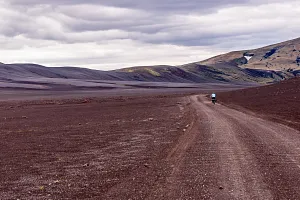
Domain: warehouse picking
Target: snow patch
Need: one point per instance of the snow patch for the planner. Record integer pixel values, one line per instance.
(248, 57)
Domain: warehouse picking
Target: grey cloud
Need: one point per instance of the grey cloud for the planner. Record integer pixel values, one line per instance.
(156, 22)
(166, 5)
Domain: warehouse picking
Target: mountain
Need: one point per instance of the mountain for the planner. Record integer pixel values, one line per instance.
(198, 73)
(190, 73)
(265, 65)
(283, 56)
(14, 71)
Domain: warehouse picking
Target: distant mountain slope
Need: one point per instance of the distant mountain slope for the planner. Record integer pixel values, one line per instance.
(13, 71)
(165, 74)
(146, 74)
(231, 72)
(190, 73)
(149, 74)
(264, 65)
(201, 74)
(282, 56)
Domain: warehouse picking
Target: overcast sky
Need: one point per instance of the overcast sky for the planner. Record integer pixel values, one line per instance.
(110, 34)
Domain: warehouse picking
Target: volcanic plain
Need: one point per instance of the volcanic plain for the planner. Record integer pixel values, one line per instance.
(155, 144)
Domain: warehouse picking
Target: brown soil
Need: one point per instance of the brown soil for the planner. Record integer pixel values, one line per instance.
(150, 147)
(108, 148)
(279, 102)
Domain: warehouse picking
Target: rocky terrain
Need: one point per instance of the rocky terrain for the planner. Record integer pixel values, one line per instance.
(87, 148)
(279, 102)
(176, 146)
(283, 56)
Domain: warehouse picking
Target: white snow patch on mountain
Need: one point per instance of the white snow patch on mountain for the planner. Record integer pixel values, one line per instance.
(248, 57)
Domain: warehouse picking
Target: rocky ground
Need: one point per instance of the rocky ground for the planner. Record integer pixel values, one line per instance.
(171, 146)
(279, 102)
(107, 148)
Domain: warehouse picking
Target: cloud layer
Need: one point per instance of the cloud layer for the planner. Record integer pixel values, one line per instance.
(120, 33)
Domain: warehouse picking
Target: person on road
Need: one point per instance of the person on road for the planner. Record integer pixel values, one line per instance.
(213, 98)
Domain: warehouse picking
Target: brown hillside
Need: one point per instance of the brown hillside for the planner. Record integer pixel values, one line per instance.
(281, 56)
(280, 102)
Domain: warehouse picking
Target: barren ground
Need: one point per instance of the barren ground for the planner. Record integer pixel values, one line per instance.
(278, 102)
(148, 147)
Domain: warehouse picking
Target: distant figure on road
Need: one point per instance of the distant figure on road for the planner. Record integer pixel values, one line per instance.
(213, 98)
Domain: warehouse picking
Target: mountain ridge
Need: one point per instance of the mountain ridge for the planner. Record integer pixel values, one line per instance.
(246, 66)
(279, 57)
(190, 73)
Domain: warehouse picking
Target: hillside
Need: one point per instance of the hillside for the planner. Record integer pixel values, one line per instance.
(15, 71)
(191, 73)
(230, 72)
(283, 56)
(201, 74)
(278, 101)
(265, 65)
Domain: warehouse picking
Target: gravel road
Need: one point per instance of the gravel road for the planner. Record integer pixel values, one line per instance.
(228, 154)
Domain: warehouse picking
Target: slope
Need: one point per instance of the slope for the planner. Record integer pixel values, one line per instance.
(181, 74)
(265, 65)
(14, 71)
(279, 101)
(201, 74)
(283, 56)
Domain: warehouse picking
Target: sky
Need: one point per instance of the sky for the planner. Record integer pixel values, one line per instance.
(113, 34)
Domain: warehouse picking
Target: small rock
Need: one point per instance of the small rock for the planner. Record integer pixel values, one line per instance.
(85, 101)
(184, 130)
(42, 187)
(146, 165)
(150, 119)
(221, 188)
(86, 165)
(79, 124)
(24, 117)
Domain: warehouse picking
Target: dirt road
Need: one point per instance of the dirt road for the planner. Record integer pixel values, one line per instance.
(228, 154)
